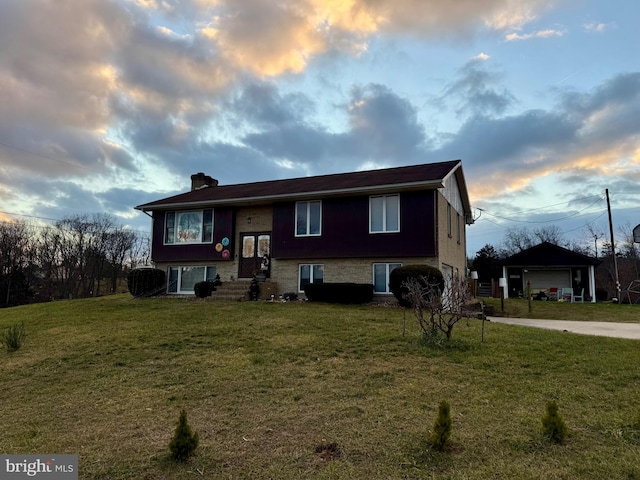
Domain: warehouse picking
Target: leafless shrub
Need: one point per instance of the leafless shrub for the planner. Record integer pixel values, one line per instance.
(438, 312)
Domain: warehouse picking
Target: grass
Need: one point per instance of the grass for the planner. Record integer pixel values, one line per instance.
(311, 391)
(589, 312)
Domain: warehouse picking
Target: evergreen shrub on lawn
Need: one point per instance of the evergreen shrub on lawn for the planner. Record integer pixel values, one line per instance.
(429, 277)
(441, 427)
(13, 337)
(354, 293)
(145, 281)
(553, 425)
(184, 441)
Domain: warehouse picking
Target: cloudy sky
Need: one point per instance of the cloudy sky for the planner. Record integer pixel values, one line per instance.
(105, 105)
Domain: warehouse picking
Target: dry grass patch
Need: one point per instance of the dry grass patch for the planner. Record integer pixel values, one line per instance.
(266, 385)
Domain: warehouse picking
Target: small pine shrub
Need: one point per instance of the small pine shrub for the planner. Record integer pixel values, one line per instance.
(184, 441)
(553, 426)
(13, 337)
(441, 427)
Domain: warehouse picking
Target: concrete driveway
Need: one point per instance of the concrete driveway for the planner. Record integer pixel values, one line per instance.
(603, 329)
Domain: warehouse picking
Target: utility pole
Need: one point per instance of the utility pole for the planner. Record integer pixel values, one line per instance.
(613, 248)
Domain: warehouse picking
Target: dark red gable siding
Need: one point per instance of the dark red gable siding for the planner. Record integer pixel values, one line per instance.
(222, 227)
(345, 230)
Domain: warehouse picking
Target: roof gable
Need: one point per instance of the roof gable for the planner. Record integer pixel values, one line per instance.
(548, 254)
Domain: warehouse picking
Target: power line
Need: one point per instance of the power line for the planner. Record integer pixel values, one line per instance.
(544, 221)
(29, 216)
(12, 147)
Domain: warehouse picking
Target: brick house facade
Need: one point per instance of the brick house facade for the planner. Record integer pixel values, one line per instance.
(351, 227)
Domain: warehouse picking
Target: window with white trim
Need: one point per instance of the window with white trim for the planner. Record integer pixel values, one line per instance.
(308, 218)
(193, 226)
(309, 273)
(182, 279)
(381, 272)
(384, 214)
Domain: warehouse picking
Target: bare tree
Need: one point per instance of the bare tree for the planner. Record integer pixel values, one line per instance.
(68, 259)
(47, 246)
(16, 259)
(140, 254)
(438, 312)
(120, 246)
(517, 239)
(549, 233)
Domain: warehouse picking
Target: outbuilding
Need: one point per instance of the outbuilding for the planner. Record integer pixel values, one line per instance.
(554, 273)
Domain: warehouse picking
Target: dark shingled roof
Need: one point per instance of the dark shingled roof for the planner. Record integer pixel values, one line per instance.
(547, 254)
(430, 175)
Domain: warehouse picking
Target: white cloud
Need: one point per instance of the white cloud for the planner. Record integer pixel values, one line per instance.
(482, 56)
(539, 34)
(596, 27)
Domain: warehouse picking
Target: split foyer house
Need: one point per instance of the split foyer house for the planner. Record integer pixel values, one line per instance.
(351, 227)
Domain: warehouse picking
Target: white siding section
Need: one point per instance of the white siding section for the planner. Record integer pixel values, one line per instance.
(452, 193)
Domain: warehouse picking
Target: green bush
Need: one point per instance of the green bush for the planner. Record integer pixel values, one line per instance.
(13, 337)
(184, 441)
(204, 289)
(553, 426)
(146, 281)
(429, 277)
(347, 293)
(441, 427)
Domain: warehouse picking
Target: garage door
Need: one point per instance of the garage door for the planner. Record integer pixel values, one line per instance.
(543, 279)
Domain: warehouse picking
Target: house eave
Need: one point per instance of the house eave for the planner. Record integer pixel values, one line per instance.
(265, 199)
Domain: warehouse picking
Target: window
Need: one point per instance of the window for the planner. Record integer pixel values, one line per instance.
(183, 279)
(310, 273)
(308, 218)
(449, 219)
(458, 227)
(384, 214)
(189, 227)
(381, 272)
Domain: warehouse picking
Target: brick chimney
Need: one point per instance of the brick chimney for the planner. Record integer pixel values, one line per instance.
(200, 180)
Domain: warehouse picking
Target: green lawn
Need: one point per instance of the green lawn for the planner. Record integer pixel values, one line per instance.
(590, 312)
(266, 384)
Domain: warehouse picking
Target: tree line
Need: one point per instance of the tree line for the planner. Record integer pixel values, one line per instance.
(488, 260)
(78, 256)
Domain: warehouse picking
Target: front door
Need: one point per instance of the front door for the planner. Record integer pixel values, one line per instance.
(255, 256)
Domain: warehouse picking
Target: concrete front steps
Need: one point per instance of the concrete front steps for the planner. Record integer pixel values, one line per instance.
(239, 291)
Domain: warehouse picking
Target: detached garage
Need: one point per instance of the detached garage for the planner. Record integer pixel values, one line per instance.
(551, 270)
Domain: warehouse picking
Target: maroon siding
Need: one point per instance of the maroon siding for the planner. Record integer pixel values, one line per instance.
(345, 230)
(222, 227)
